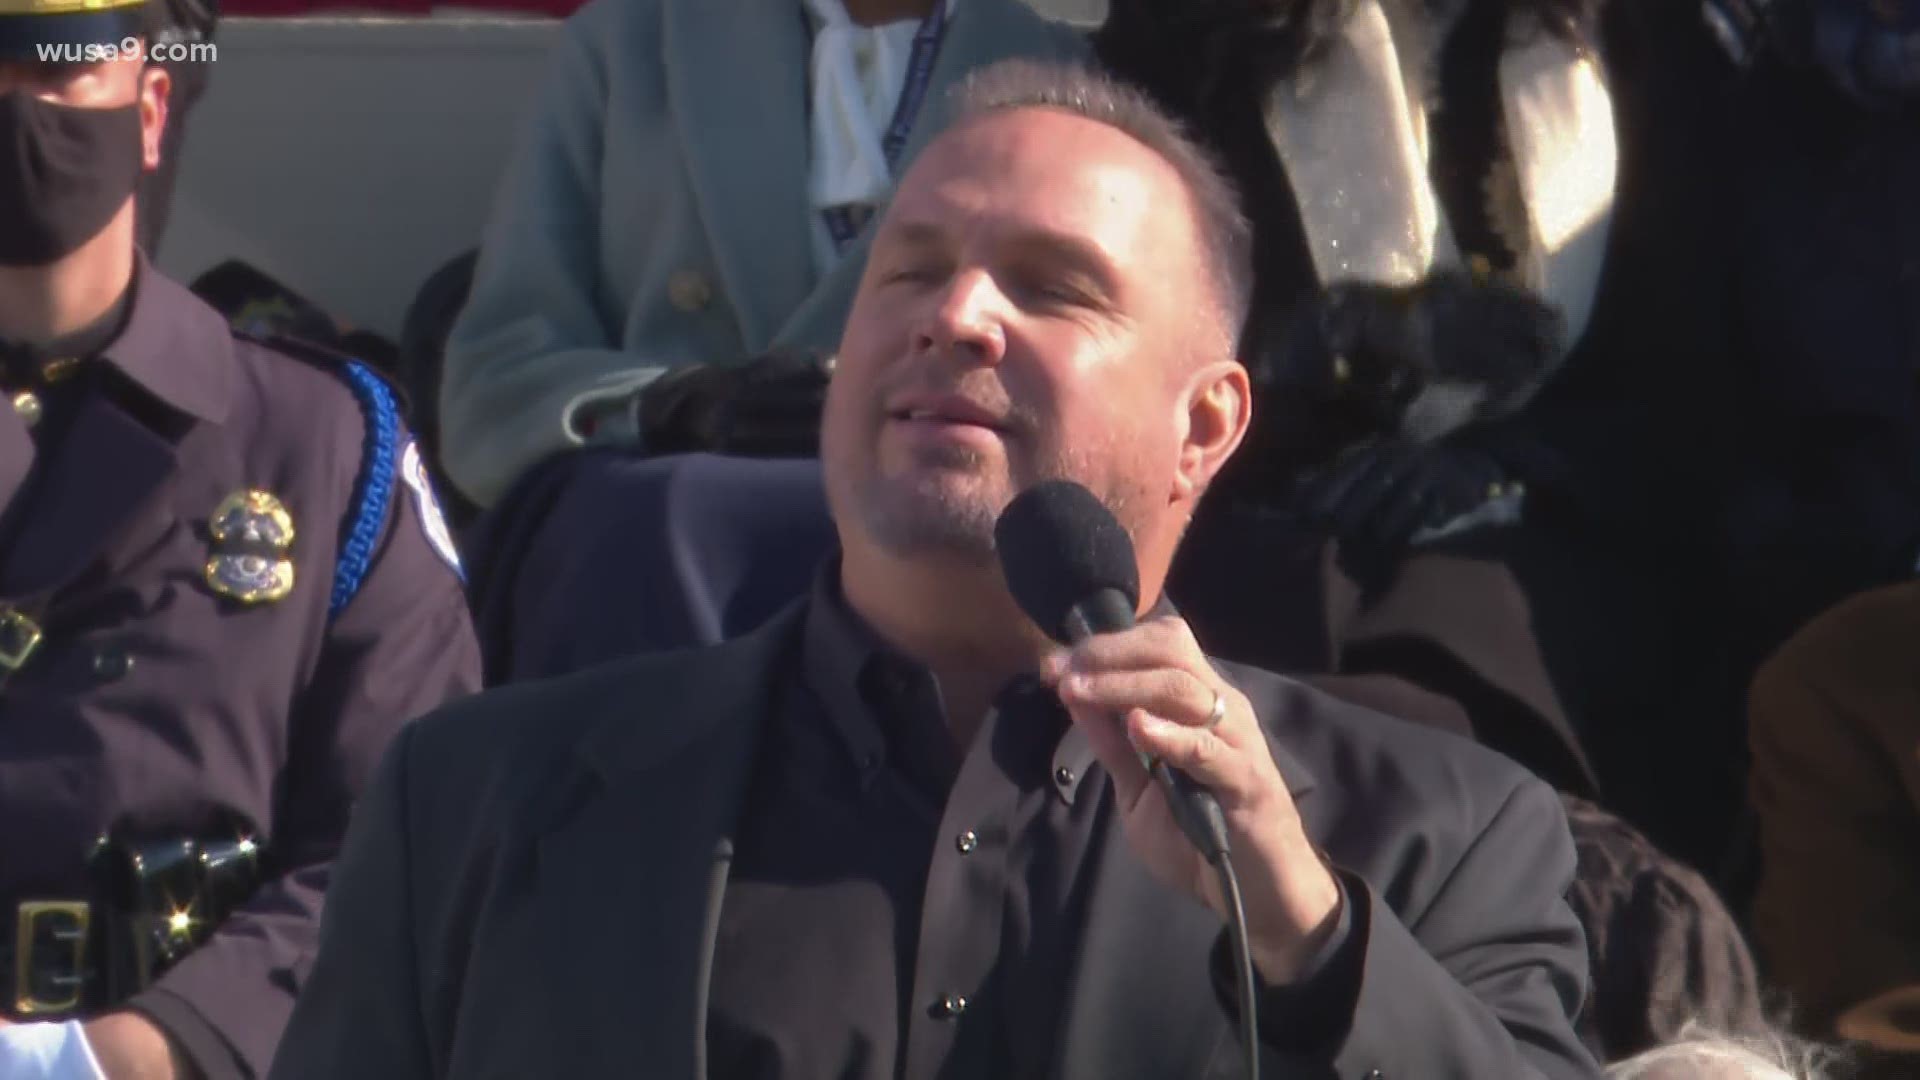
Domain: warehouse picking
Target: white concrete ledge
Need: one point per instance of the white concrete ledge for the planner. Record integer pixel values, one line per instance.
(349, 157)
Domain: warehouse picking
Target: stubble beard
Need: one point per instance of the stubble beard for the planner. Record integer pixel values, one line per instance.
(947, 507)
(950, 503)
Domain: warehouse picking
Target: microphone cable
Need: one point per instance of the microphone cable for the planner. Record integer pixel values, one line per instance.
(1243, 964)
(1070, 565)
(1198, 814)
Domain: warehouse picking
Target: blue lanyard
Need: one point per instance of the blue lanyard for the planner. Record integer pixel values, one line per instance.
(841, 223)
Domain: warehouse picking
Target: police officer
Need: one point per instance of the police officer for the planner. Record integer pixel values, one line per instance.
(224, 585)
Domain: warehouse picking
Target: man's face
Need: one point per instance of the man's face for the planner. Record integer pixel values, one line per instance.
(1034, 306)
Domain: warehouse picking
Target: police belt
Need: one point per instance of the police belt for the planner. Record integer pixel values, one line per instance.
(151, 904)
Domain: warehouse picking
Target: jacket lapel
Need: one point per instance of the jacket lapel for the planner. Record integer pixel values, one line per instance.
(109, 472)
(982, 31)
(738, 87)
(636, 869)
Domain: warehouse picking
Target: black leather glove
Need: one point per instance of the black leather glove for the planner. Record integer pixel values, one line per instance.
(1358, 364)
(766, 407)
(1375, 498)
(1379, 348)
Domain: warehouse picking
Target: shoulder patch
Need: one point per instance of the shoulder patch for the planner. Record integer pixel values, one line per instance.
(413, 470)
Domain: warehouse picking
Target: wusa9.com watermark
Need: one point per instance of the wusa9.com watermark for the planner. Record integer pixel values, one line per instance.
(148, 52)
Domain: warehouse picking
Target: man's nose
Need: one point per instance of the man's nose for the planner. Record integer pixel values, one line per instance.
(965, 319)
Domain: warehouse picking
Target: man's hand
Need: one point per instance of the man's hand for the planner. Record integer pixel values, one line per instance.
(1151, 690)
(128, 1046)
(765, 407)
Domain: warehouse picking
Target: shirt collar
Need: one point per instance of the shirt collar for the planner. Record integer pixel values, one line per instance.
(175, 347)
(840, 654)
(845, 662)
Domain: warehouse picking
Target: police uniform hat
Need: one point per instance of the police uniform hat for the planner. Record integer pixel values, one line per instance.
(29, 28)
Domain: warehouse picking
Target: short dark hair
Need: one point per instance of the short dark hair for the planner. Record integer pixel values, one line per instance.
(1226, 236)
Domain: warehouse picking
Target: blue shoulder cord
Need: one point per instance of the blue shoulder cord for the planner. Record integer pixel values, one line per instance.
(373, 490)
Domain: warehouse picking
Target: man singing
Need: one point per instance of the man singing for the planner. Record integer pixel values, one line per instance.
(896, 832)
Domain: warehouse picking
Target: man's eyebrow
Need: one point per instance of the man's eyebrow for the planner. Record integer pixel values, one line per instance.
(1067, 251)
(1037, 246)
(916, 234)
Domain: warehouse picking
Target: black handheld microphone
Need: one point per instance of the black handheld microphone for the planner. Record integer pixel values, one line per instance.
(1070, 566)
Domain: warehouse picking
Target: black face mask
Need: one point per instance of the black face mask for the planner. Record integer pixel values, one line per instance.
(64, 173)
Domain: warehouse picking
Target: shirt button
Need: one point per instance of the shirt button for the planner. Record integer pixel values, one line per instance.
(111, 662)
(1063, 776)
(948, 1007)
(966, 841)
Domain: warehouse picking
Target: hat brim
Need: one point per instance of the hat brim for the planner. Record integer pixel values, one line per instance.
(55, 37)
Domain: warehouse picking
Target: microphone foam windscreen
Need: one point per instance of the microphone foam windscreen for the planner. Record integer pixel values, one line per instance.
(1059, 546)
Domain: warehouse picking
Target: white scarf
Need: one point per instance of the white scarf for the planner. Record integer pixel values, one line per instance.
(858, 73)
(1352, 134)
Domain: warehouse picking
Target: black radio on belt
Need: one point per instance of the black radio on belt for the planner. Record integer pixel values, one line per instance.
(152, 903)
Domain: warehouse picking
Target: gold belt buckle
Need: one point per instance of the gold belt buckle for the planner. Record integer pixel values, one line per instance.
(53, 923)
(19, 636)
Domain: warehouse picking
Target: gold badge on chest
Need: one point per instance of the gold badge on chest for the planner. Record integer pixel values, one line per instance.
(252, 534)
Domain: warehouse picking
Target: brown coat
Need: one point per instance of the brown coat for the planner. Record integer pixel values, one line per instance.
(157, 706)
(1836, 782)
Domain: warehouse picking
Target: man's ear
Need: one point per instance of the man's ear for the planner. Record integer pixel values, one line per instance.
(1219, 405)
(156, 88)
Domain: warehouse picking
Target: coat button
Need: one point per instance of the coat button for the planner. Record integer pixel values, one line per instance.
(967, 841)
(111, 662)
(689, 290)
(948, 1007)
(1063, 776)
(26, 405)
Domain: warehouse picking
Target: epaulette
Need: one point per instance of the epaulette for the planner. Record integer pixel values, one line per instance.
(381, 403)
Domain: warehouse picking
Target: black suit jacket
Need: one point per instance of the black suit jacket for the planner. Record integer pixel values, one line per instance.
(532, 883)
